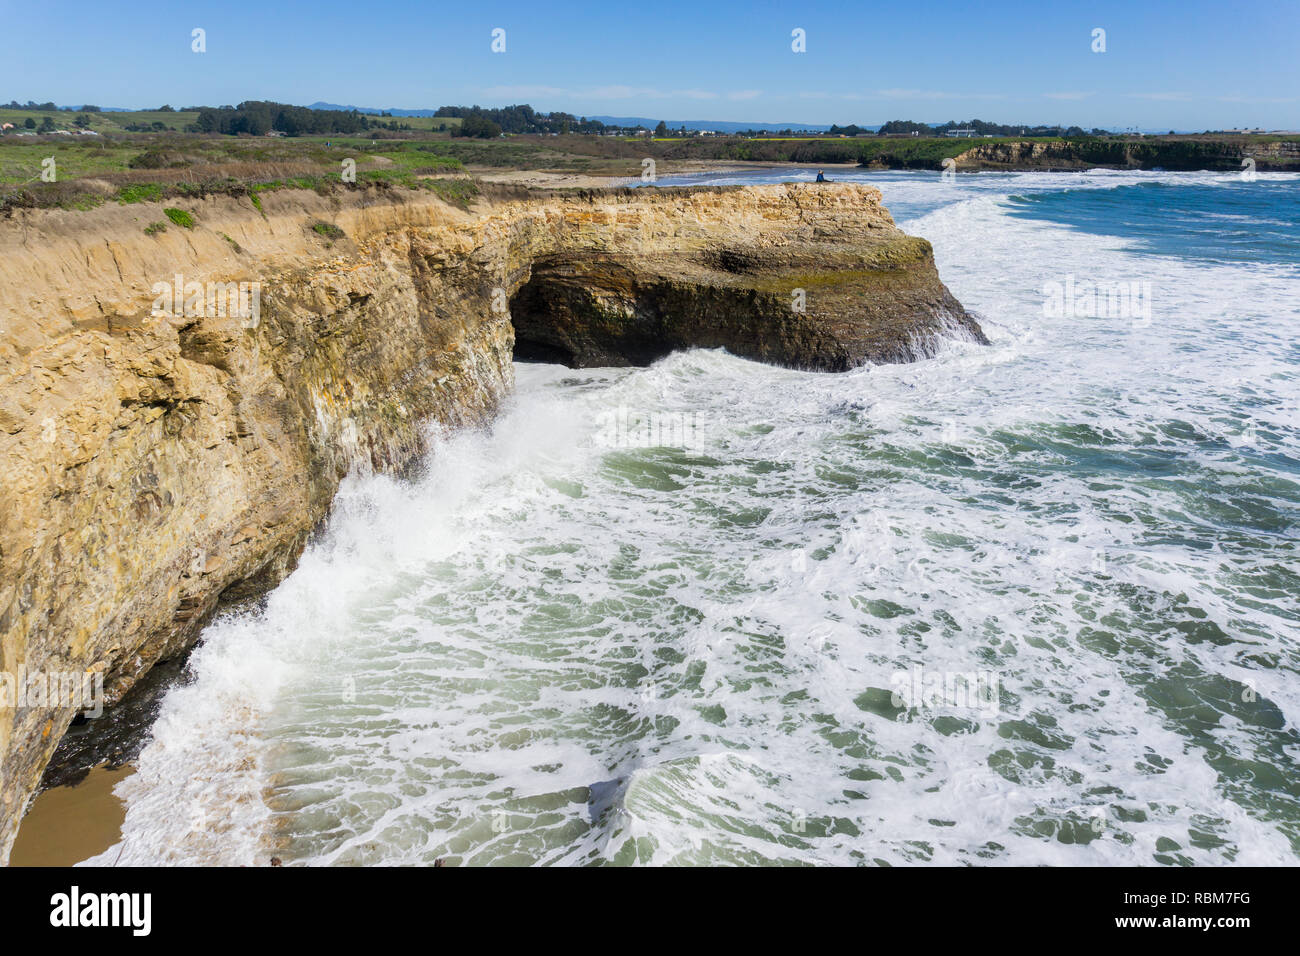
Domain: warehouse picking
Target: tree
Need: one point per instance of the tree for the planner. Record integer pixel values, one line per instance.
(29, 123)
(82, 120)
(477, 126)
(661, 130)
(47, 124)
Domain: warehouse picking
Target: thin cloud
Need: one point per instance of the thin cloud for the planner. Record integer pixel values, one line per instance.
(936, 95)
(1068, 96)
(1162, 97)
(1255, 99)
(611, 92)
(523, 92)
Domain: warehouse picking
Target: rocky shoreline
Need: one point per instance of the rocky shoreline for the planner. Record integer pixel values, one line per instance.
(1180, 155)
(163, 463)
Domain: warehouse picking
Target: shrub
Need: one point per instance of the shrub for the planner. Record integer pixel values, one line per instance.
(477, 126)
(180, 217)
(328, 230)
(156, 228)
(149, 159)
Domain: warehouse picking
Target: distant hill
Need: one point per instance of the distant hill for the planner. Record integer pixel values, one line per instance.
(371, 110)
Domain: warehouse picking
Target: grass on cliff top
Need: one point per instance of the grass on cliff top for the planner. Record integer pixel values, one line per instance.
(150, 168)
(175, 120)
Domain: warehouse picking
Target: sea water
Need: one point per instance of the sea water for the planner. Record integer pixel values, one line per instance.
(1036, 602)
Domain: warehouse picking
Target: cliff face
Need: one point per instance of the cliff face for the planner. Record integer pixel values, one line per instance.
(1221, 154)
(158, 464)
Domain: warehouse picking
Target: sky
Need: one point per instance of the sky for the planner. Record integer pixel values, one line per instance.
(1190, 65)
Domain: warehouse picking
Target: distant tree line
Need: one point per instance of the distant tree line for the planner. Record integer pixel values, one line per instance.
(257, 118)
(47, 107)
(980, 128)
(487, 123)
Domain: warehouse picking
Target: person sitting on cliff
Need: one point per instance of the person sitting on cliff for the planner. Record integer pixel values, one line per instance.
(820, 178)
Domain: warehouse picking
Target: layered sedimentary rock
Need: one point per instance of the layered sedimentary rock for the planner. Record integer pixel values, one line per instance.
(1225, 154)
(161, 458)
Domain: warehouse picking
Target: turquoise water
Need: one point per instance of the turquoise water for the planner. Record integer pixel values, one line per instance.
(1034, 602)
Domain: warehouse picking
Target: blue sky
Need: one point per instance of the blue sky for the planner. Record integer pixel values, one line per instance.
(1194, 64)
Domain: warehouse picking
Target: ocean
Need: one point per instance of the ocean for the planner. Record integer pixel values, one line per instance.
(1036, 602)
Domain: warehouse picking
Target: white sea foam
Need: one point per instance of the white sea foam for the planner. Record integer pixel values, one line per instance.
(545, 650)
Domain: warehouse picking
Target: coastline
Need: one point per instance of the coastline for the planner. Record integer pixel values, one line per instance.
(106, 807)
(285, 412)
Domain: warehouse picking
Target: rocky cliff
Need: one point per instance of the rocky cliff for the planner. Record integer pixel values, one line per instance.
(165, 451)
(1220, 154)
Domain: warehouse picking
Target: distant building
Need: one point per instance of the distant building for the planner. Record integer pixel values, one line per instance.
(961, 133)
(1245, 132)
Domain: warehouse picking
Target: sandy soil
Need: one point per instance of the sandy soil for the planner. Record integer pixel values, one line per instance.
(65, 825)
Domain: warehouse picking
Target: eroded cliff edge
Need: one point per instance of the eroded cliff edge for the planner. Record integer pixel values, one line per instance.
(156, 466)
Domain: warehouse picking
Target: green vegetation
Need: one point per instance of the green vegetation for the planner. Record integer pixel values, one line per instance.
(234, 245)
(142, 192)
(258, 118)
(180, 217)
(478, 126)
(328, 230)
(154, 167)
(457, 192)
(155, 228)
